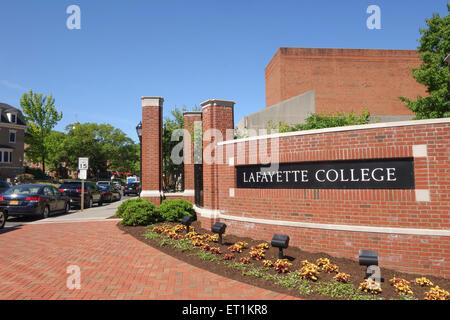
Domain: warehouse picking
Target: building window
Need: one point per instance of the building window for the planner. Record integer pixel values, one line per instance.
(12, 136)
(12, 117)
(5, 156)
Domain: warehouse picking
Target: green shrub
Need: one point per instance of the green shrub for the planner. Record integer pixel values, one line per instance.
(124, 205)
(140, 213)
(175, 210)
(320, 121)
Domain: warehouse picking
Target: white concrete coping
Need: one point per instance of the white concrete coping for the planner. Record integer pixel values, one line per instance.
(152, 101)
(207, 213)
(151, 193)
(185, 193)
(341, 129)
(217, 102)
(216, 214)
(192, 113)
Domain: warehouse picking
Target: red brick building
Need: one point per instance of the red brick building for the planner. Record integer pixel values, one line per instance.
(345, 79)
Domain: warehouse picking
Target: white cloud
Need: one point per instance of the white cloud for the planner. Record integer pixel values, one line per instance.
(11, 85)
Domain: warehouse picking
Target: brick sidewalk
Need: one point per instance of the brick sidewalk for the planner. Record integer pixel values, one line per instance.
(114, 265)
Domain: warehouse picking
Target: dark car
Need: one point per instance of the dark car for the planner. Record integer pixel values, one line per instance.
(92, 193)
(131, 188)
(33, 200)
(4, 186)
(110, 193)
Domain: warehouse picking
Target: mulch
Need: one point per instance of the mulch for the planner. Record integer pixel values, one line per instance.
(295, 256)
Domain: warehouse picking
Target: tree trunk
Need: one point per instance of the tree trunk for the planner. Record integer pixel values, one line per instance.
(43, 163)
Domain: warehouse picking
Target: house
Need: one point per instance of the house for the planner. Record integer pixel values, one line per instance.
(12, 131)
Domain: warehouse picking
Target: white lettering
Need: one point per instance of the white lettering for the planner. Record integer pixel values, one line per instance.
(365, 175)
(391, 174)
(317, 175)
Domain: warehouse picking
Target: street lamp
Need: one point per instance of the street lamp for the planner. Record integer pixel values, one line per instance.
(139, 133)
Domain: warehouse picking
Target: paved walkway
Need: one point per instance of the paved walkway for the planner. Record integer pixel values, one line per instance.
(114, 265)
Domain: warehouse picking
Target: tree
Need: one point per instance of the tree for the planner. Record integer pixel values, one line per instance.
(41, 116)
(433, 73)
(172, 171)
(107, 148)
(54, 143)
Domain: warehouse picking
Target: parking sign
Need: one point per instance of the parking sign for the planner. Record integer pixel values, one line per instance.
(83, 163)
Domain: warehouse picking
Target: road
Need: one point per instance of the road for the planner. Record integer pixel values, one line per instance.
(94, 213)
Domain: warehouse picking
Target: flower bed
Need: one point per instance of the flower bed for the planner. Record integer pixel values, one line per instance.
(302, 274)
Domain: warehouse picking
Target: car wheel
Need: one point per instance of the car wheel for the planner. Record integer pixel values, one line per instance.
(100, 202)
(46, 212)
(67, 208)
(3, 218)
(91, 203)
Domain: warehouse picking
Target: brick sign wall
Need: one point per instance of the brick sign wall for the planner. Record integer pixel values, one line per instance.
(408, 226)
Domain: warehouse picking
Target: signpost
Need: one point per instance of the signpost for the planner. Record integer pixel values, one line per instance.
(83, 166)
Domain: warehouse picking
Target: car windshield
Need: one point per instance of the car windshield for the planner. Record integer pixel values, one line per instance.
(23, 190)
(103, 187)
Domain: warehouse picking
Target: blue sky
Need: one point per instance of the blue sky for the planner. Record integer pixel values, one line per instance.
(184, 51)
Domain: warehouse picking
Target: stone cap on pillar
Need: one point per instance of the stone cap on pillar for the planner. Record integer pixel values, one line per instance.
(152, 101)
(217, 102)
(192, 113)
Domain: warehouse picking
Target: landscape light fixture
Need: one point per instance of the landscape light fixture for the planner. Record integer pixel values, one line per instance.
(368, 258)
(187, 220)
(219, 227)
(281, 242)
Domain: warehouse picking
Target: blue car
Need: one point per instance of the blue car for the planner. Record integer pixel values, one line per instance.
(33, 200)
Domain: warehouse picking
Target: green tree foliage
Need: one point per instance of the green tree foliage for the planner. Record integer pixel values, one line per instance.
(320, 121)
(41, 116)
(107, 148)
(56, 155)
(433, 73)
(172, 171)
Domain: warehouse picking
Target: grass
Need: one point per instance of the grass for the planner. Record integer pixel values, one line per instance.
(208, 256)
(184, 245)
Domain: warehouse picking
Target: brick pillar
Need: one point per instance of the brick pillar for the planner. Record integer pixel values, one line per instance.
(152, 108)
(189, 119)
(218, 115)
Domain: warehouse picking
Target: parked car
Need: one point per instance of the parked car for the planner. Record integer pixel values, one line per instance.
(117, 184)
(110, 193)
(131, 188)
(33, 200)
(92, 193)
(104, 183)
(4, 186)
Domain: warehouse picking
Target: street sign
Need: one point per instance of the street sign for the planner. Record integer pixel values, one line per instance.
(83, 163)
(82, 175)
